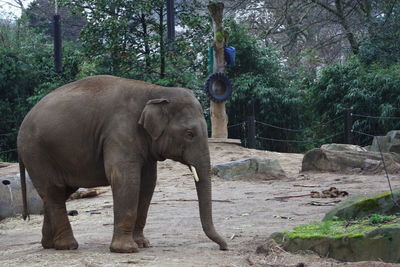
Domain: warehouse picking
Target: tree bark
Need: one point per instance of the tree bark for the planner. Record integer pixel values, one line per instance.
(219, 119)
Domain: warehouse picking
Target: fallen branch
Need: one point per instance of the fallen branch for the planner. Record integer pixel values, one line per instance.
(304, 185)
(321, 203)
(191, 200)
(293, 196)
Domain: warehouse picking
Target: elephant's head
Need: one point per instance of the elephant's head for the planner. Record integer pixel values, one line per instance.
(178, 131)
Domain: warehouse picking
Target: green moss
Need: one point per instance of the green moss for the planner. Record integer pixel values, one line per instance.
(219, 36)
(381, 195)
(367, 205)
(371, 203)
(340, 229)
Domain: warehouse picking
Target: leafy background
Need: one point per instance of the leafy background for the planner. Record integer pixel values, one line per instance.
(286, 83)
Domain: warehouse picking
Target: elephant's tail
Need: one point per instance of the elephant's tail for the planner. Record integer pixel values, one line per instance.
(23, 189)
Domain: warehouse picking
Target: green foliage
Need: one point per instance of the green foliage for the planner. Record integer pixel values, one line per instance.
(372, 90)
(40, 14)
(128, 39)
(26, 75)
(381, 46)
(260, 86)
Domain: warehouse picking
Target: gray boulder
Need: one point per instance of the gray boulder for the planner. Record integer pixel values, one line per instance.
(11, 196)
(388, 143)
(361, 206)
(251, 167)
(365, 162)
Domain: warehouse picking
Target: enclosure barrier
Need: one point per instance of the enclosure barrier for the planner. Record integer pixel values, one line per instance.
(249, 130)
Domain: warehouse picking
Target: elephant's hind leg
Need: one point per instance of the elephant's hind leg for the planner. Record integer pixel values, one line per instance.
(56, 213)
(47, 231)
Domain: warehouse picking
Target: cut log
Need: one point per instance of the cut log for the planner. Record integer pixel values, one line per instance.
(349, 162)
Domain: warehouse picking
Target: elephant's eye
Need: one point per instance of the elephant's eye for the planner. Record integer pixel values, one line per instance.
(189, 134)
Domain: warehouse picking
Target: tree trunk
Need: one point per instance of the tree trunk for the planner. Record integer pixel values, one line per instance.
(162, 43)
(146, 42)
(343, 21)
(219, 119)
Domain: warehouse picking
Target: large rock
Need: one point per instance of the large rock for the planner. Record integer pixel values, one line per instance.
(361, 206)
(381, 243)
(349, 161)
(388, 143)
(11, 196)
(251, 167)
(343, 147)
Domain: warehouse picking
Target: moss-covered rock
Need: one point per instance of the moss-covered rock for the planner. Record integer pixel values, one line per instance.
(345, 241)
(362, 206)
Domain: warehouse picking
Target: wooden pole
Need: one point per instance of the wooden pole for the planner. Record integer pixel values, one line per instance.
(219, 119)
(251, 128)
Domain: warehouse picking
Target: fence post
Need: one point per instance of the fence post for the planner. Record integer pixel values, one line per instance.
(251, 131)
(348, 125)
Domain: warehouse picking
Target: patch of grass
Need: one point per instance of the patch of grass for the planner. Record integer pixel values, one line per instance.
(378, 219)
(340, 229)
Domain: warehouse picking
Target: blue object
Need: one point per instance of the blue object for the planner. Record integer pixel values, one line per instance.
(230, 55)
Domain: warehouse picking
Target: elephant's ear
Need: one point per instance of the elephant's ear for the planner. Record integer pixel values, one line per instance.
(154, 117)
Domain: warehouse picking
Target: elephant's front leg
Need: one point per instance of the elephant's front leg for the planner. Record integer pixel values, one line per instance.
(147, 185)
(124, 177)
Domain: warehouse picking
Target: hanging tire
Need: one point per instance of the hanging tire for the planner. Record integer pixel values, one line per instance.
(225, 91)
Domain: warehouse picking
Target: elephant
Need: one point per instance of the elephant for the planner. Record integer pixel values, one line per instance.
(105, 130)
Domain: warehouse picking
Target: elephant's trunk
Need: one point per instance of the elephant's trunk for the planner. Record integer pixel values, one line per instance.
(203, 187)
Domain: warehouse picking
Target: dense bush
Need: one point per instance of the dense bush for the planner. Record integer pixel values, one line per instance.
(261, 88)
(366, 90)
(26, 75)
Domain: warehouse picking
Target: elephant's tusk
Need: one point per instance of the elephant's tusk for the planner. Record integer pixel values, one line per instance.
(193, 169)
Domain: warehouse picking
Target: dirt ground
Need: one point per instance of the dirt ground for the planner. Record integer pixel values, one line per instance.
(243, 213)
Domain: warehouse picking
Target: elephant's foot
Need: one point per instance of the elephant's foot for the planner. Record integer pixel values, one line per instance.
(47, 243)
(66, 243)
(124, 244)
(140, 240)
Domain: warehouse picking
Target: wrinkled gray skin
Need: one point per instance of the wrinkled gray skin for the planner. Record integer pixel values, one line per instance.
(105, 130)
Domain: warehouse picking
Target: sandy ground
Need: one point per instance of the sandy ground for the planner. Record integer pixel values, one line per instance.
(246, 216)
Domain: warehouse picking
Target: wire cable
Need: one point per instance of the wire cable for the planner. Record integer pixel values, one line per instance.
(2, 152)
(238, 124)
(300, 141)
(299, 130)
(7, 134)
(373, 117)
